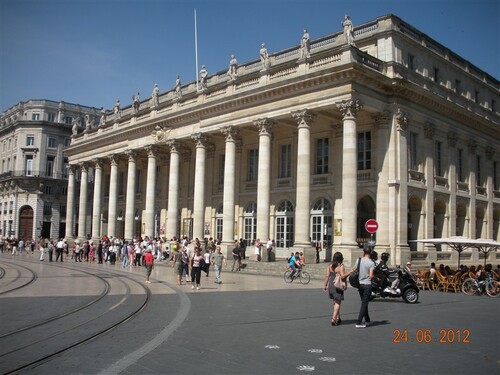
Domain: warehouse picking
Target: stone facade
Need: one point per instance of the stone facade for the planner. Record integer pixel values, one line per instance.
(394, 126)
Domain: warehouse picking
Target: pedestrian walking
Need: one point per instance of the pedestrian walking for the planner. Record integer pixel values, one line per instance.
(366, 269)
(178, 266)
(335, 294)
(236, 256)
(149, 260)
(41, 246)
(196, 266)
(206, 258)
(59, 250)
(217, 260)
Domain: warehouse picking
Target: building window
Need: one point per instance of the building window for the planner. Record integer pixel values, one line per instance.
(49, 167)
(121, 183)
(47, 189)
(322, 156)
(67, 142)
(51, 117)
(436, 75)
(476, 96)
(493, 105)
(68, 120)
(411, 62)
(460, 165)
(364, 151)
(47, 208)
(65, 170)
(495, 176)
(11, 207)
(285, 231)
(35, 116)
(458, 86)
(51, 142)
(29, 165)
(479, 181)
(62, 210)
(219, 223)
(253, 165)
(412, 152)
(285, 161)
(438, 159)
(30, 140)
(250, 223)
(138, 181)
(222, 163)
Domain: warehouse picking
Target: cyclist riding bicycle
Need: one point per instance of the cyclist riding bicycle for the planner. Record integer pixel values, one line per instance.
(294, 263)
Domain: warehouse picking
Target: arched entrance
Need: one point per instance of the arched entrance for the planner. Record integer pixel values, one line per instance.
(414, 220)
(285, 228)
(321, 225)
(26, 223)
(366, 211)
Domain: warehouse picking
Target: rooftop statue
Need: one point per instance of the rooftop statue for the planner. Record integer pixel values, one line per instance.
(203, 78)
(305, 45)
(117, 111)
(155, 96)
(233, 68)
(264, 57)
(102, 120)
(348, 31)
(137, 102)
(178, 91)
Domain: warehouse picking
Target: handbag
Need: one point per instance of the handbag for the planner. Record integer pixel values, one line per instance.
(354, 276)
(338, 283)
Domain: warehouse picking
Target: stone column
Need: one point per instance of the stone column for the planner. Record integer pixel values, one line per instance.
(452, 181)
(149, 212)
(82, 213)
(130, 202)
(349, 109)
(96, 209)
(402, 253)
(303, 191)
(70, 203)
(113, 194)
(264, 178)
(173, 188)
(199, 185)
(230, 134)
(382, 123)
(490, 152)
(429, 131)
(472, 148)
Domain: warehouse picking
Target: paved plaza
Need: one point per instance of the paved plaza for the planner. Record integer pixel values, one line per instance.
(250, 324)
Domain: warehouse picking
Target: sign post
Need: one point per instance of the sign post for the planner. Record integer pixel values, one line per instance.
(371, 227)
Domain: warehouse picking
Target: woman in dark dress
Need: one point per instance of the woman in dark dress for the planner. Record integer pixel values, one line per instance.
(337, 295)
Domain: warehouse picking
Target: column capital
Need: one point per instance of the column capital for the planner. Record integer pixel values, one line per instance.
(84, 166)
(230, 132)
(97, 163)
(200, 140)
(303, 117)
(429, 130)
(113, 159)
(72, 168)
(151, 150)
(472, 146)
(173, 144)
(160, 134)
(452, 139)
(131, 154)
(490, 152)
(401, 120)
(349, 108)
(265, 126)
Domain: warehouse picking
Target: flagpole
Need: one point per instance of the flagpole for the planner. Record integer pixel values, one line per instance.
(196, 50)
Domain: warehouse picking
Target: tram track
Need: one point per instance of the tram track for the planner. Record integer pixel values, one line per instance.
(75, 334)
(32, 278)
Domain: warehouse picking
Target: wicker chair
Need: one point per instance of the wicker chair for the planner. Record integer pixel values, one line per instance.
(443, 282)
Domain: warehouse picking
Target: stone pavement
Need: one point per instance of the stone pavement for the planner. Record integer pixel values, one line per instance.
(257, 324)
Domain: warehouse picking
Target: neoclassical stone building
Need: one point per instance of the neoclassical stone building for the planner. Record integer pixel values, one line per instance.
(34, 168)
(302, 145)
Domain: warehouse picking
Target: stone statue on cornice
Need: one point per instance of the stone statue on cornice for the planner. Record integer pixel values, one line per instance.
(264, 57)
(348, 30)
(178, 91)
(203, 76)
(155, 96)
(233, 68)
(305, 45)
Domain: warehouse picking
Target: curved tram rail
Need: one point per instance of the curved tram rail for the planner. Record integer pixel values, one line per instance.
(83, 323)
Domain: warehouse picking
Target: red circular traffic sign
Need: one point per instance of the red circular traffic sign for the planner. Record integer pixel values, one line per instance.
(371, 226)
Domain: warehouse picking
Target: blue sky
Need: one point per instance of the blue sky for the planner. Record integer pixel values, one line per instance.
(93, 52)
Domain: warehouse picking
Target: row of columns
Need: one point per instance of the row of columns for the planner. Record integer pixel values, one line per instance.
(302, 236)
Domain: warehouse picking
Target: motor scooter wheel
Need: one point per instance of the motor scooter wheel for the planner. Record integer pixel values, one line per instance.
(410, 296)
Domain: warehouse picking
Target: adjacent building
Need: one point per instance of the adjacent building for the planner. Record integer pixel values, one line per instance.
(34, 167)
(303, 145)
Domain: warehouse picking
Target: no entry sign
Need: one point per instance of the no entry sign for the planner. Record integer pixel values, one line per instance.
(371, 226)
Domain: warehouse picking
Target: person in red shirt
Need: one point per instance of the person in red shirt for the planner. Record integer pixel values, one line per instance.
(149, 263)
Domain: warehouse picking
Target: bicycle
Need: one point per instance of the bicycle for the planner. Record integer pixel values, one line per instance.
(489, 286)
(303, 276)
